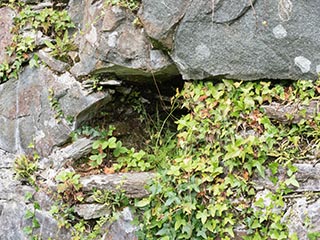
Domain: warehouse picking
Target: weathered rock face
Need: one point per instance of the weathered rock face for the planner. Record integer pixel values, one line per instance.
(27, 115)
(13, 207)
(113, 44)
(303, 217)
(237, 39)
(233, 39)
(6, 23)
(200, 39)
(160, 19)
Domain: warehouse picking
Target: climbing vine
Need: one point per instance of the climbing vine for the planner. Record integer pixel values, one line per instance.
(206, 186)
(49, 23)
(208, 190)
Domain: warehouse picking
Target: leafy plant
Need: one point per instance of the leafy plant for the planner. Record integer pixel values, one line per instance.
(61, 47)
(204, 187)
(133, 5)
(207, 189)
(64, 214)
(31, 215)
(25, 168)
(50, 22)
(69, 186)
(113, 199)
(313, 235)
(55, 105)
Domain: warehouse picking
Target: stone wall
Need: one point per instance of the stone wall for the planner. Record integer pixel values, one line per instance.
(194, 39)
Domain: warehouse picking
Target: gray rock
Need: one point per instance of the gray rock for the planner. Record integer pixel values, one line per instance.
(303, 217)
(75, 10)
(10, 187)
(308, 177)
(112, 44)
(92, 210)
(72, 152)
(13, 206)
(160, 19)
(12, 222)
(49, 227)
(233, 39)
(53, 63)
(26, 114)
(122, 229)
(132, 183)
(6, 23)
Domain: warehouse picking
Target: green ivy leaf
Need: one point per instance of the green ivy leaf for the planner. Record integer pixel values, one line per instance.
(203, 215)
(27, 230)
(29, 214)
(142, 203)
(232, 152)
(36, 205)
(259, 203)
(112, 142)
(96, 144)
(35, 223)
(292, 181)
(119, 150)
(179, 222)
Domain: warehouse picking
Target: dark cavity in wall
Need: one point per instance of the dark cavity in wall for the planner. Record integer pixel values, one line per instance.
(138, 110)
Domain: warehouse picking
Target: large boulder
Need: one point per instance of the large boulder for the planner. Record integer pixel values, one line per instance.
(245, 40)
(111, 43)
(35, 108)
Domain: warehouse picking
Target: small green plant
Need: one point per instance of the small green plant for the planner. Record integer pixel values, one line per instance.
(101, 150)
(14, 4)
(133, 5)
(50, 22)
(55, 105)
(110, 152)
(64, 214)
(61, 47)
(25, 168)
(115, 200)
(313, 235)
(69, 186)
(105, 147)
(31, 215)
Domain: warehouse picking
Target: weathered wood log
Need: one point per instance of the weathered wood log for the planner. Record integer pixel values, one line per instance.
(133, 184)
(291, 113)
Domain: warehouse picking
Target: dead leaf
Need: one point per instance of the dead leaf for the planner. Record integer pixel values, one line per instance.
(108, 170)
